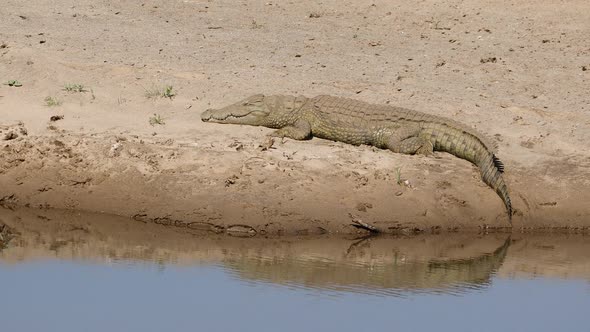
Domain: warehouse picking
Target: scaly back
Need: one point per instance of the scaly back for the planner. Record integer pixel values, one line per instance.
(358, 112)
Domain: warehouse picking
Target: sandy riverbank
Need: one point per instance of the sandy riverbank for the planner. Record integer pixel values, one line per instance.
(521, 76)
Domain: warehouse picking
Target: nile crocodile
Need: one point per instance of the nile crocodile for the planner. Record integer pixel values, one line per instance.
(355, 122)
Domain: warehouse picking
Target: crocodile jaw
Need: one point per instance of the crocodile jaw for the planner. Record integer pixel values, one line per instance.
(244, 112)
(222, 116)
(219, 116)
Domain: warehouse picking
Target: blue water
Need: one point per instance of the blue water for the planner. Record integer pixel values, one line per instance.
(58, 295)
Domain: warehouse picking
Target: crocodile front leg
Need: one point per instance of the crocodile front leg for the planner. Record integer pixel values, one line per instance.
(301, 130)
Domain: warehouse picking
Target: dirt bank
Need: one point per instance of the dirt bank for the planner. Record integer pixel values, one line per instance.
(521, 76)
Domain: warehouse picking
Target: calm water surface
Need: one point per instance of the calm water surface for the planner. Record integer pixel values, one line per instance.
(64, 275)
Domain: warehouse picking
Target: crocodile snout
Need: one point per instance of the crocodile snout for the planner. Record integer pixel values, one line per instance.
(206, 116)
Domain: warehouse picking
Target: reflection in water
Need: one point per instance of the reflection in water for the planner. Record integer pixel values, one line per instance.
(388, 274)
(376, 265)
(71, 272)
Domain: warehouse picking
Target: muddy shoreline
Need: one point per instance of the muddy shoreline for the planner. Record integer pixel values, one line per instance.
(421, 261)
(162, 182)
(65, 258)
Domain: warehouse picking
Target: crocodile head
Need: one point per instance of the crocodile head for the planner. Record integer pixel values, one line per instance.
(252, 111)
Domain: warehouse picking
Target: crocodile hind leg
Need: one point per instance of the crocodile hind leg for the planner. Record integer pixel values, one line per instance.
(405, 142)
(299, 131)
(417, 145)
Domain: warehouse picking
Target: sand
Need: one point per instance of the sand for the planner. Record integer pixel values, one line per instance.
(518, 71)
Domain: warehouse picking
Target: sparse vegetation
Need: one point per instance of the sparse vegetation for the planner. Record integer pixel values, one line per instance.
(14, 83)
(75, 88)
(52, 101)
(168, 93)
(156, 120)
(165, 92)
(398, 176)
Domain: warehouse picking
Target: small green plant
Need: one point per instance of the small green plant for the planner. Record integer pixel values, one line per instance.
(14, 83)
(165, 92)
(52, 101)
(168, 93)
(156, 120)
(75, 88)
(398, 176)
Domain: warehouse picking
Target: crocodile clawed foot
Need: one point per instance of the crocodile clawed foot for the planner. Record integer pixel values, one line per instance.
(267, 144)
(425, 152)
(427, 149)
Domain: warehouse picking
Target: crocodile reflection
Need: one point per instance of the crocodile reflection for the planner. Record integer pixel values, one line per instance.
(392, 265)
(393, 274)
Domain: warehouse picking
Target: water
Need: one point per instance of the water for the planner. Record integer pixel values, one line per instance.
(88, 273)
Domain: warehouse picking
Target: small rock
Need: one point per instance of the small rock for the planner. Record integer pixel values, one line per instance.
(11, 132)
(241, 231)
(237, 145)
(10, 136)
(399, 193)
(231, 180)
(115, 150)
(364, 206)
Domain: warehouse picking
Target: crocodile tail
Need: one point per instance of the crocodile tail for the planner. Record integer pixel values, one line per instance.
(469, 146)
(491, 169)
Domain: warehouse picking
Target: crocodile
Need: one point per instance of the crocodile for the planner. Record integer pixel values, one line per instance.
(355, 122)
